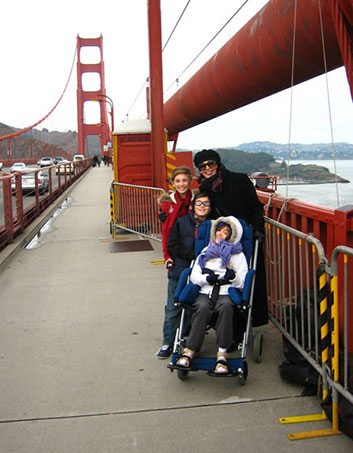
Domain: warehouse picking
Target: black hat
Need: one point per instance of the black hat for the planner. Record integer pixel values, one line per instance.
(204, 155)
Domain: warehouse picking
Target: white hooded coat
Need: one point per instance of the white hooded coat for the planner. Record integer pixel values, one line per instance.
(237, 261)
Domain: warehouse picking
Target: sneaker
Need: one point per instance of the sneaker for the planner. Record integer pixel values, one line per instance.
(164, 352)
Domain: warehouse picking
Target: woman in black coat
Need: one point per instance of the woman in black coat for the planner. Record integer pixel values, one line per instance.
(233, 194)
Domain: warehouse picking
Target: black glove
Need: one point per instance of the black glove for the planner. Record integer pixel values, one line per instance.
(162, 216)
(259, 235)
(212, 279)
(229, 275)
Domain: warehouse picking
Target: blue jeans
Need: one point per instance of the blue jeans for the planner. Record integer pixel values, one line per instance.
(172, 315)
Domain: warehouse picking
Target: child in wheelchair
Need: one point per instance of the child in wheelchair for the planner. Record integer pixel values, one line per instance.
(221, 265)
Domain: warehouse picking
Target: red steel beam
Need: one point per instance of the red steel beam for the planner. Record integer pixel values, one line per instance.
(156, 93)
(342, 14)
(257, 62)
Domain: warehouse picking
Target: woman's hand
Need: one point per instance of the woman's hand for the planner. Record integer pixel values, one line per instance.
(169, 263)
(162, 216)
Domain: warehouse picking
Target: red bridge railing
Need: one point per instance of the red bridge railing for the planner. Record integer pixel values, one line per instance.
(18, 210)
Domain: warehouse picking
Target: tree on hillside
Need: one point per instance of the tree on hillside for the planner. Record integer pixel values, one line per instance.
(243, 162)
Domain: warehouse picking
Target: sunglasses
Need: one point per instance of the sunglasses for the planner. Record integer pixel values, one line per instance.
(209, 164)
(200, 203)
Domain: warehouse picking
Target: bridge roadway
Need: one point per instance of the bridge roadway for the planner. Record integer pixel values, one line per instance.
(79, 329)
(28, 198)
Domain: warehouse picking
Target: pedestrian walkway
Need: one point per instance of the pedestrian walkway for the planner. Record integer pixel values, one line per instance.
(79, 329)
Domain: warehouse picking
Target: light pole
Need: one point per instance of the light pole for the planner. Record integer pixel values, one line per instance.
(107, 137)
(110, 102)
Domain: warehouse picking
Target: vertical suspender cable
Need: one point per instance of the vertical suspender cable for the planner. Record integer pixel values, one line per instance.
(291, 93)
(328, 102)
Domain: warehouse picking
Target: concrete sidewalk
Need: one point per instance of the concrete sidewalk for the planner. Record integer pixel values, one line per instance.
(79, 329)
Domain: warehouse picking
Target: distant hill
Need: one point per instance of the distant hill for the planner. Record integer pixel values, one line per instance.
(315, 151)
(5, 130)
(66, 140)
(245, 162)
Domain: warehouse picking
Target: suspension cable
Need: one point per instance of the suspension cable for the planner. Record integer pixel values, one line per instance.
(291, 94)
(14, 134)
(175, 26)
(165, 45)
(329, 103)
(137, 96)
(205, 47)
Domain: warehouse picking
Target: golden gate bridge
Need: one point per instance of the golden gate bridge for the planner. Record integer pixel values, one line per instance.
(257, 62)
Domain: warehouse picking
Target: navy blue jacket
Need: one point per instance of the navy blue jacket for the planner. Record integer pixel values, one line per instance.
(182, 245)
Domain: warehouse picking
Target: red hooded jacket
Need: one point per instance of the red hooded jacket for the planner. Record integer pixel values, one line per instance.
(174, 206)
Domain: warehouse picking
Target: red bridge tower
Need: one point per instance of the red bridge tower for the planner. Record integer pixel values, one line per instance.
(102, 129)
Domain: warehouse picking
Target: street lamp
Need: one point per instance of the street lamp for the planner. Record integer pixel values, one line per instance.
(107, 135)
(110, 102)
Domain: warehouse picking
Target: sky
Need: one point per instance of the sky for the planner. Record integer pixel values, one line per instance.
(38, 40)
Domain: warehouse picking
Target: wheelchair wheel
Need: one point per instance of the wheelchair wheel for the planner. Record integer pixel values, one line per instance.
(258, 347)
(183, 374)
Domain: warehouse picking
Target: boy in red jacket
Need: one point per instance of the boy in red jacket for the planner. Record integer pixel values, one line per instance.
(174, 205)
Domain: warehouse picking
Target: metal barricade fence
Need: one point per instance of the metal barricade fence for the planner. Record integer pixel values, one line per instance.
(296, 266)
(135, 209)
(305, 304)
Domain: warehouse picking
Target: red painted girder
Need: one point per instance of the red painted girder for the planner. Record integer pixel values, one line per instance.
(156, 91)
(256, 63)
(347, 9)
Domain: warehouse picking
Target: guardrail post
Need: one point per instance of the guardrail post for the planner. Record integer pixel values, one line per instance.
(8, 215)
(112, 212)
(335, 349)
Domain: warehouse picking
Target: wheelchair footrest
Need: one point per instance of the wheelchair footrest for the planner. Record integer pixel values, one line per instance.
(235, 365)
(230, 374)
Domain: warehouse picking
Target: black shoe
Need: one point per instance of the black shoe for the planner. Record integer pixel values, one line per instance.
(164, 351)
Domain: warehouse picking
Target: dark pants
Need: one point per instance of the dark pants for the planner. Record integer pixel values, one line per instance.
(202, 317)
(172, 315)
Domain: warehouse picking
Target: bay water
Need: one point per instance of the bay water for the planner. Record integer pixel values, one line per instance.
(324, 194)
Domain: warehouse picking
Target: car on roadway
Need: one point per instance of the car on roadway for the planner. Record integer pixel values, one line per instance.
(46, 162)
(28, 181)
(18, 166)
(65, 167)
(78, 159)
(58, 160)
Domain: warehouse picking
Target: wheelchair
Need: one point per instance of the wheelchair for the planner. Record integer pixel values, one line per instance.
(186, 294)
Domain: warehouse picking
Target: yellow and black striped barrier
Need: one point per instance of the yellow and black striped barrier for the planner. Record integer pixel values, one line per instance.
(112, 213)
(329, 348)
(170, 164)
